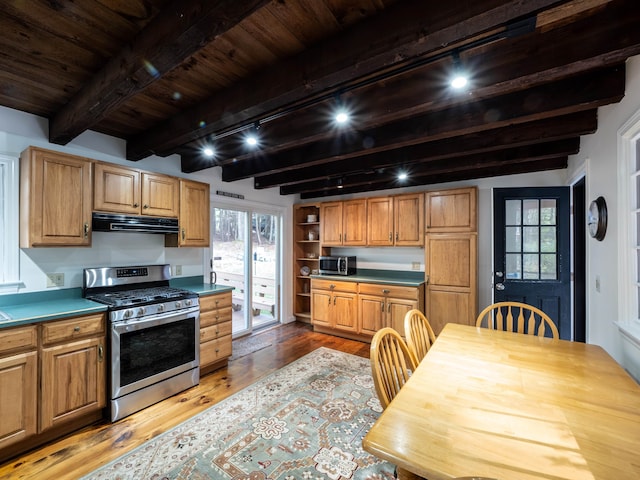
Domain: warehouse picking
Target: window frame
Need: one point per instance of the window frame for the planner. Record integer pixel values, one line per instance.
(629, 228)
(9, 256)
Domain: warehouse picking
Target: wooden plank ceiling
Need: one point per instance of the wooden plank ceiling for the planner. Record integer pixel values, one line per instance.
(177, 76)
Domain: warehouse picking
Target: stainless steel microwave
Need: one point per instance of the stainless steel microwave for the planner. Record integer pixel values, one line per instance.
(337, 265)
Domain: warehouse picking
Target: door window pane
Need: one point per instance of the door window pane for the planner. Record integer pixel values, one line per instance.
(513, 266)
(531, 212)
(513, 213)
(548, 212)
(513, 239)
(531, 270)
(531, 241)
(548, 240)
(548, 267)
(264, 245)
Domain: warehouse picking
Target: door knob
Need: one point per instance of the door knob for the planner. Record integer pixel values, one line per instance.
(500, 286)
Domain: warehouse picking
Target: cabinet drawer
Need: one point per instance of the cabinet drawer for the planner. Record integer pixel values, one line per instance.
(215, 350)
(215, 331)
(334, 285)
(215, 316)
(211, 302)
(78, 327)
(21, 338)
(395, 291)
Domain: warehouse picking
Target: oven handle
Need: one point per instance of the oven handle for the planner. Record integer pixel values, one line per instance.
(156, 319)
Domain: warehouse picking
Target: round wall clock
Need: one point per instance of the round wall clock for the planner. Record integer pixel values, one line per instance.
(597, 218)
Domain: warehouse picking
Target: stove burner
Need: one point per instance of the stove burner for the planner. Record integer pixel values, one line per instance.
(140, 296)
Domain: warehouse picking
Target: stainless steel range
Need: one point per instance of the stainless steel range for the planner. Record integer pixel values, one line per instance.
(154, 334)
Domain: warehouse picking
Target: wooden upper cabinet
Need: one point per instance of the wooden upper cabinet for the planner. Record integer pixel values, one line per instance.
(194, 216)
(452, 210)
(331, 223)
(344, 223)
(380, 221)
(55, 199)
(396, 221)
(354, 222)
(126, 190)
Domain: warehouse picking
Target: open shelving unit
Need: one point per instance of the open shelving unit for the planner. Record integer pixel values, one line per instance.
(306, 253)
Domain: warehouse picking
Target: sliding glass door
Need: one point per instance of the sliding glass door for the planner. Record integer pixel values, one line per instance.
(245, 250)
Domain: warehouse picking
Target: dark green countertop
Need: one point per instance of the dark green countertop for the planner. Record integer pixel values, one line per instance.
(25, 308)
(408, 278)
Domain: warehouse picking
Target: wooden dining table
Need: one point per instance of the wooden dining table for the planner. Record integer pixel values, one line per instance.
(488, 403)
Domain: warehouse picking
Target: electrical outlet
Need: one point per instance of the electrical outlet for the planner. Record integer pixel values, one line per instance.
(178, 270)
(415, 265)
(55, 280)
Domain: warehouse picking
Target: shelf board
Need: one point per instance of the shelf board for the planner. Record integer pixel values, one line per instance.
(308, 259)
(301, 294)
(308, 241)
(309, 223)
(303, 314)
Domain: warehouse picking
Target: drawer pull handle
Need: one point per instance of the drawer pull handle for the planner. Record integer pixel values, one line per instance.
(385, 291)
(76, 329)
(100, 353)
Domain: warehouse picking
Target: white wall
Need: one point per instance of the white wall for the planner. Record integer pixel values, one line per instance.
(598, 156)
(18, 130)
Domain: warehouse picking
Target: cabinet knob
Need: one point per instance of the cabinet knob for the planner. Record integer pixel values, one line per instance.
(100, 353)
(145, 206)
(385, 291)
(76, 329)
(136, 205)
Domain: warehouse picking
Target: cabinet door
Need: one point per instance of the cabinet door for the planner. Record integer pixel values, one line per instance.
(354, 222)
(451, 266)
(380, 221)
(409, 220)
(345, 311)
(73, 381)
(160, 195)
(194, 214)
(321, 308)
(452, 210)
(18, 397)
(55, 196)
(397, 308)
(331, 223)
(116, 189)
(371, 313)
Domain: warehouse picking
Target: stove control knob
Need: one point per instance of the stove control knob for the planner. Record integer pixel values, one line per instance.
(142, 311)
(127, 313)
(161, 307)
(188, 302)
(178, 304)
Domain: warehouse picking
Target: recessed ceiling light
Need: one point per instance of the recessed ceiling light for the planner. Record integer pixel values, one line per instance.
(459, 81)
(341, 117)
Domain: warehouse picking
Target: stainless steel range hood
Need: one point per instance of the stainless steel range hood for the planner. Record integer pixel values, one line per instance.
(115, 222)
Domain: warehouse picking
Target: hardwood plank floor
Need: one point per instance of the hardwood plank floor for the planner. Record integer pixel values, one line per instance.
(84, 451)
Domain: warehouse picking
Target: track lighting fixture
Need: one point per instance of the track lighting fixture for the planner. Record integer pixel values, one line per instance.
(459, 79)
(252, 136)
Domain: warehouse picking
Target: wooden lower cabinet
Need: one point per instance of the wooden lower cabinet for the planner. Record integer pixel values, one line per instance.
(18, 385)
(73, 381)
(386, 305)
(215, 331)
(52, 380)
(361, 308)
(334, 305)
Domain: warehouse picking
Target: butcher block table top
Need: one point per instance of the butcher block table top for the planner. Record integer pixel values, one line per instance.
(512, 406)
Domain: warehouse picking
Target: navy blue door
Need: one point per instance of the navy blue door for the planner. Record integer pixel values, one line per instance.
(532, 250)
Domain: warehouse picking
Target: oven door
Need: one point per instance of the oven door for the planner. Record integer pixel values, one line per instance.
(152, 349)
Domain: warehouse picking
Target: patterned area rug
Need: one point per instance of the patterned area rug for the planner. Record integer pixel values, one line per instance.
(305, 421)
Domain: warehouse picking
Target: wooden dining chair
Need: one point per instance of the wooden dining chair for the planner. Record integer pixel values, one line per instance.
(419, 333)
(517, 317)
(391, 364)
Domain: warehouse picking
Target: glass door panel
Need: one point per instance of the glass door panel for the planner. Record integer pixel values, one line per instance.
(264, 243)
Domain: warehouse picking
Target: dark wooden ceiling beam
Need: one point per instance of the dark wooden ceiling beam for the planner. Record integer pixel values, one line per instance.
(491, 171)
(585, 92)
(177, 32)
(558, 128)
(502, 68)
(415, 171)
(406, 30)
